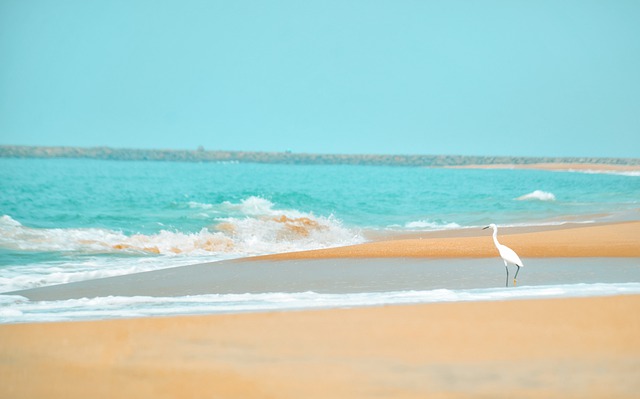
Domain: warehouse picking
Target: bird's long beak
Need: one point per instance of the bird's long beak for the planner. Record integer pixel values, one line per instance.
(486, 227)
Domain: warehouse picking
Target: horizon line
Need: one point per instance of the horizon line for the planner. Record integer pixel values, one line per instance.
(289, 152)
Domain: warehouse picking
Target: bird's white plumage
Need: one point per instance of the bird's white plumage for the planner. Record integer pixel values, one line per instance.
(507, 254)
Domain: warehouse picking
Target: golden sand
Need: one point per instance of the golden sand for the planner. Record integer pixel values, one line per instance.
(602, 240)
(559, 348)
(564, 348)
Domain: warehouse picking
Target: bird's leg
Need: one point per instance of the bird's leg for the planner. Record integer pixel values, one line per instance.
(516, 276)
(507, 268)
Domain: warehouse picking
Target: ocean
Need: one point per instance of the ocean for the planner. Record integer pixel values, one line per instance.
(69, 220)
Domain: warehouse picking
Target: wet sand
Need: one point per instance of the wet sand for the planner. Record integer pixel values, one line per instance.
(344, 276)
(562, 348)
(391, 265)
(552, 348)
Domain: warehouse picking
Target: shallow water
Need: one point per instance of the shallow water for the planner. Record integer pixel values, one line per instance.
(230, 287)
(346, 276)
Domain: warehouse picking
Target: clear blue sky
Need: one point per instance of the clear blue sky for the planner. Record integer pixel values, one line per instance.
(544, 77)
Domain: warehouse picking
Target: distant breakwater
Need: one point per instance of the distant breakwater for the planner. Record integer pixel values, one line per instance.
(202, 155)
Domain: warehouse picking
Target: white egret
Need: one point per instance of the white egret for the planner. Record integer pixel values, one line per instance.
(507, 254)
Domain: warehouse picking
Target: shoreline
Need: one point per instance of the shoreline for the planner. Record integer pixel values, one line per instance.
(549, 348)
(430, 260)
(560, 166)
(618, 239)
(461, 266)
(585, 347)
(331, 283)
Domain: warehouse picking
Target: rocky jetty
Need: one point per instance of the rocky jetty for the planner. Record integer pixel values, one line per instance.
(287, 157)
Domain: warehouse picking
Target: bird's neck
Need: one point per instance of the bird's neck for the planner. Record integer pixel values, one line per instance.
(495, 237)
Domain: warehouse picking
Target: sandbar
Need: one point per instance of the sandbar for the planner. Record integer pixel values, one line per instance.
(577, 240)
(409, 262)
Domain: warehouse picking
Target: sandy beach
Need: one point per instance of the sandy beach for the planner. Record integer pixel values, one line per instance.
(564, 348)
(577, 347)
(210, 199)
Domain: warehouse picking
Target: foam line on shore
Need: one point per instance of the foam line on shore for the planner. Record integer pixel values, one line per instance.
(24, 311)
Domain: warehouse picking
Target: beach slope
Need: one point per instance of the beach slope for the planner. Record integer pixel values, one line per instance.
(560, 348)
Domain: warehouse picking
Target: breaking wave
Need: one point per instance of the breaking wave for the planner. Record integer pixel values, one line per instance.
(250, 227)
(255, 228)
(15, 236)
(262, 229)
(537, 195)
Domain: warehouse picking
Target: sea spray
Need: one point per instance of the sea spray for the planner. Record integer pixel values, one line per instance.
(258, 229)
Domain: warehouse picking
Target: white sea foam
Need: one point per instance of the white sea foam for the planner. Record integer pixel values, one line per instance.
(199, 205)
(258, 228)
(630, 173)
(14, 278)
(7, 222)
(254, 206)
(545, 224)
(429, 225)
(17, 309)
(538, 195)
(96, 241)
(125, 254)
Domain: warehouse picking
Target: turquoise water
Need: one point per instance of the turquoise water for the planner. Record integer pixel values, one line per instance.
(147, 197)
(65, 207)
(64, 220)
